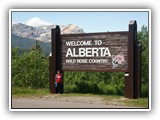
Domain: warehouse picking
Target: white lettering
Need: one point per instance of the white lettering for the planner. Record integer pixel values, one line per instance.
(82, 61)
(101, 51)
(88, 52)
(81, 52)
(68, 43)
(70, 61)
(95, 52)
(69, 52)
(79, 43)
(98, 61)
(107, 52)
(74, 52)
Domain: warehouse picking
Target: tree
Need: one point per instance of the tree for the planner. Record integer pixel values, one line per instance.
(30, 70)
(37, 47)
(143, 37)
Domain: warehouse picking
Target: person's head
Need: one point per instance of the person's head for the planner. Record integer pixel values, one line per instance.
(58, 71)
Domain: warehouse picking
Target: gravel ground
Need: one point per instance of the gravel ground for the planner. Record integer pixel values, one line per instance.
(60, 101)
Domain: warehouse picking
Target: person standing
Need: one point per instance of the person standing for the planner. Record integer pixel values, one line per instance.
(58, 82)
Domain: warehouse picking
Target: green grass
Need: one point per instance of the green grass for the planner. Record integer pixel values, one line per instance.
(28, 92)
(108, 99)
(142, 102)
(121, 100)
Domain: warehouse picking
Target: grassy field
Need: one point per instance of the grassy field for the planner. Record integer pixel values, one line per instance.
(108, 99)
(28, 92)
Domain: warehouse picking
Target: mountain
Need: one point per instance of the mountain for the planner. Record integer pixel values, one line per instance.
(25, 44)
(42, 33)
(24, 36)
(71, 29)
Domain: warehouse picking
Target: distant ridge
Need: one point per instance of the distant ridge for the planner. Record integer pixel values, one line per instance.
(42, 33)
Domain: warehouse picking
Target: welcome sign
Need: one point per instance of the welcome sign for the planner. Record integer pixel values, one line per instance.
(106, 52)
(95, 51)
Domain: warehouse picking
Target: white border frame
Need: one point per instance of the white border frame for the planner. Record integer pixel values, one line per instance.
(86, 10)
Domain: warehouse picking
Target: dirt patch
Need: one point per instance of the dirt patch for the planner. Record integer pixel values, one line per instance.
(75, 99)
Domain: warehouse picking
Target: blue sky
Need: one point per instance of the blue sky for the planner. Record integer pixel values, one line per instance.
(89, 21)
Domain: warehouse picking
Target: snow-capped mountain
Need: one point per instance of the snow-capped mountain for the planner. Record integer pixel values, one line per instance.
(42, 33)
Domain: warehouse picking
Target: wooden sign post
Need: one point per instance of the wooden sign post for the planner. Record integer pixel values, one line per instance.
(107, 52)
(55, 59)
(132, 79)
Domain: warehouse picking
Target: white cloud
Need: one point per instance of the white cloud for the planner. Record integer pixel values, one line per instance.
(37, 22)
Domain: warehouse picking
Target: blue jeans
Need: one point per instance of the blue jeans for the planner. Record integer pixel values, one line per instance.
(59, 88)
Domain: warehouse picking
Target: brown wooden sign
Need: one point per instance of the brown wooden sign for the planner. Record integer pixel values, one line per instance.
(107, 52)
(95, 52)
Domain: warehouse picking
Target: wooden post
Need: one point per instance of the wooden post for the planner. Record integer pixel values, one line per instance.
(51, 66)
(130, 79)
(55, 58)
